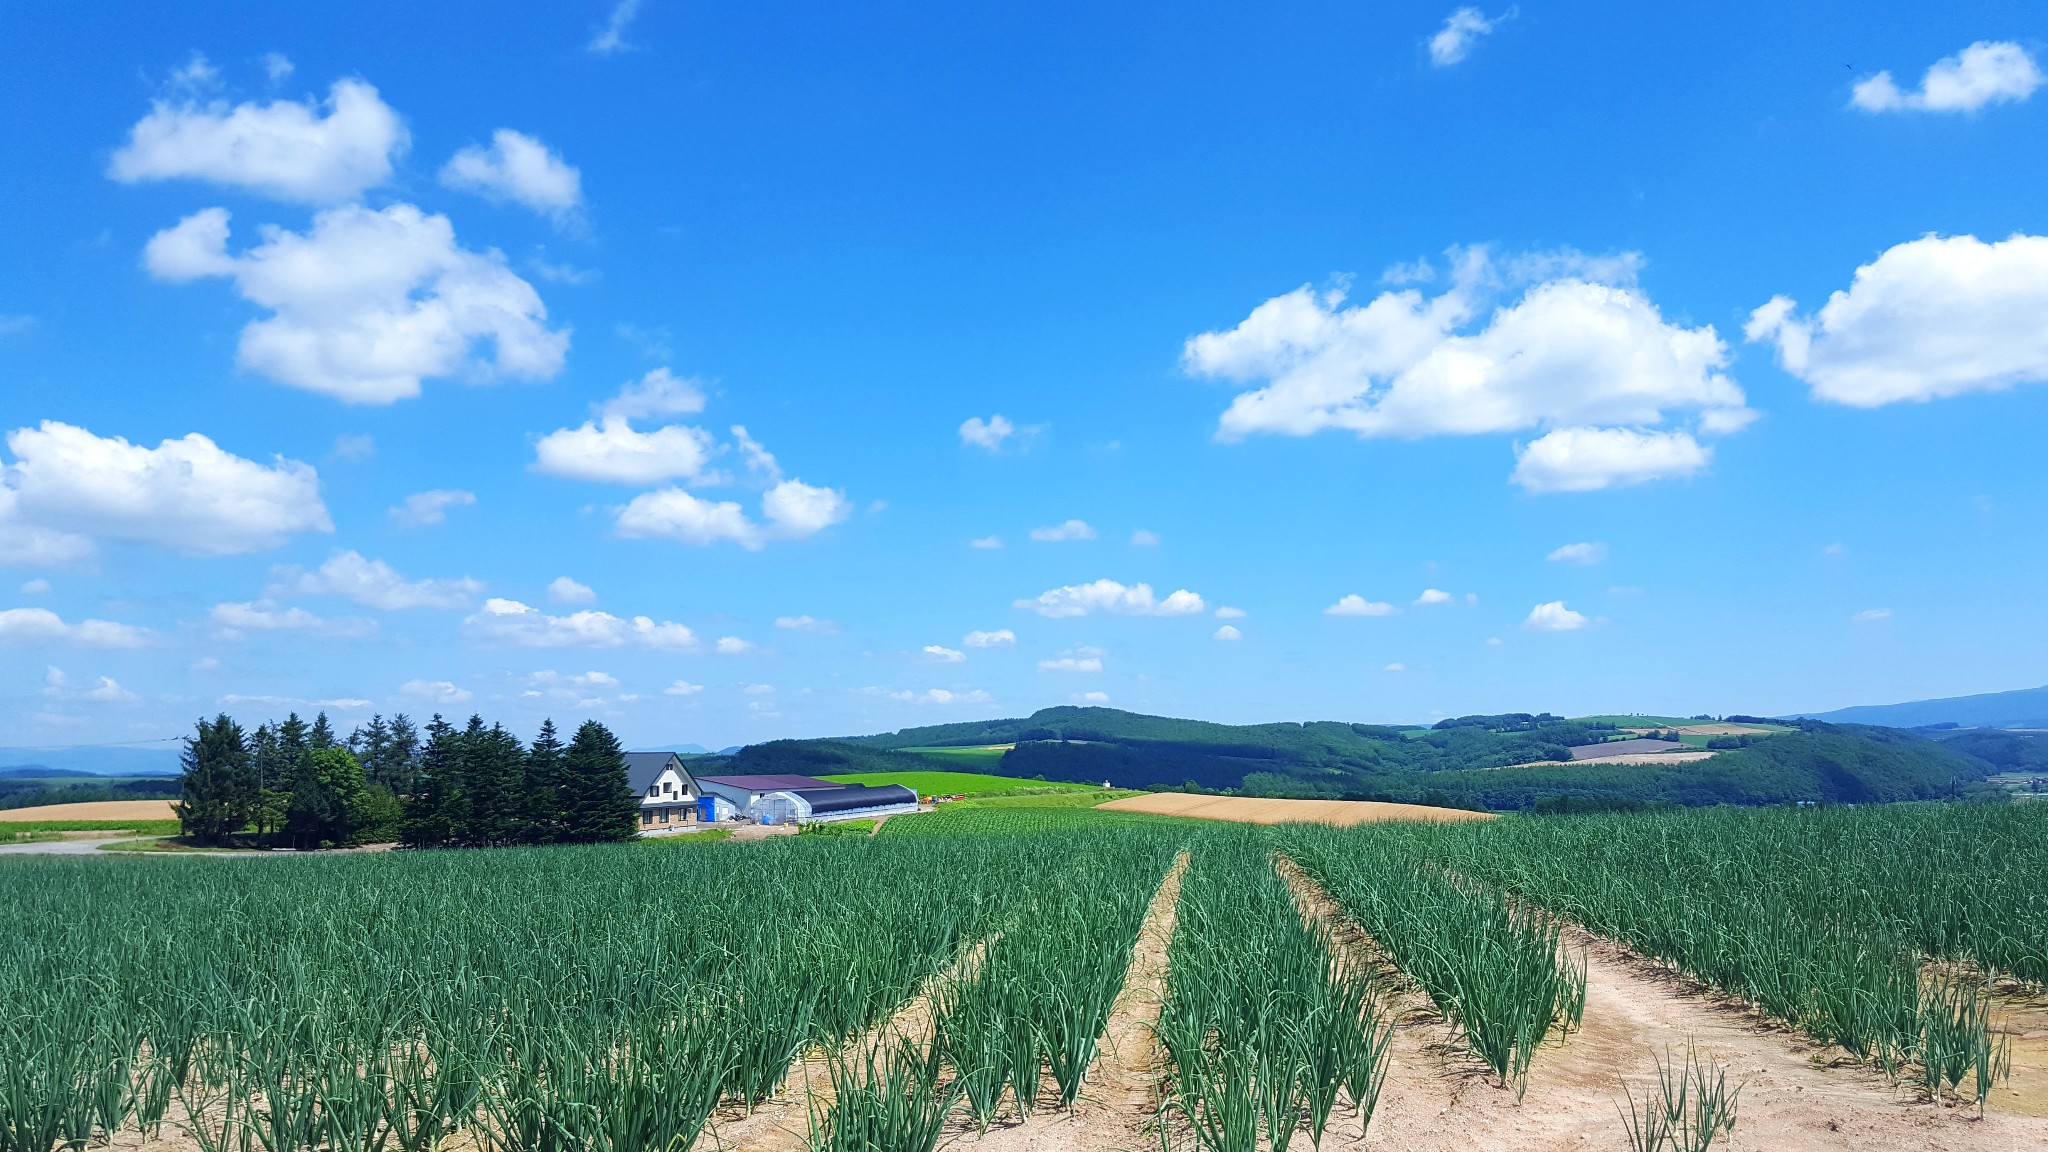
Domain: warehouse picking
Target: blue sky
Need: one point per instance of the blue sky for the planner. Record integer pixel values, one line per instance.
(1391, 361)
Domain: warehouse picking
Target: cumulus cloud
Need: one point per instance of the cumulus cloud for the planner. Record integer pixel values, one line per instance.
(793, 510)
(422, 509)
(1070, 530)
(66, 486)
(37, 587)
(1580, 347)
(1395, 667)
(1111, 597)
(1144, 538)
(682, 688)
(1228, 632)
(42, 626)
(1589, 459)
(1583, 552)
(1000, 638)
(367, 303)
(510, 623)
(1929, 318)
(940, 654)
(941, 696)
(988, 434)
(796, 509)
(1082, 659)
(235, 619)
(1434, 596)
(1092, 698)
(611, 450)
(374, 584)
(306, 153)
(986, 542)
(1554, 617)
(434, 691)
(1987, 72)
(805, 623)
(659, 393)
(734, 646)
(521, 169)
(563, 590)
(610, 37)
(1226, 612)
(1355, 605)
(1462, 28)
(106, 690)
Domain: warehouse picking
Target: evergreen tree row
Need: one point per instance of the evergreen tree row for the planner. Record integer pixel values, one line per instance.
(291, 783)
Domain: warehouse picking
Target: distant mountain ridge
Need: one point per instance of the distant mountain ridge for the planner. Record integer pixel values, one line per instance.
(100, 760)
(2023, 708)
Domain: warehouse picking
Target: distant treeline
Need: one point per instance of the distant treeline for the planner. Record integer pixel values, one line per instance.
(293, 783)
(34, 793)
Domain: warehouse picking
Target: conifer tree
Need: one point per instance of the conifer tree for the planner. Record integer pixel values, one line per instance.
(494, 775)
(598, 802)
(321, 735)
(401, 766)
(217, 793)
(544, 816)
(273, 780)
(436, 812)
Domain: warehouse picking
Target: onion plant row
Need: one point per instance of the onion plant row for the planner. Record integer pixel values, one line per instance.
(602, 998)
(1872, 928)
(1263, 1025)
(1494, 966)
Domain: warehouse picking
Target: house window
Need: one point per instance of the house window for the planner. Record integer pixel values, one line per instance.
(664, 815)
(646, 818)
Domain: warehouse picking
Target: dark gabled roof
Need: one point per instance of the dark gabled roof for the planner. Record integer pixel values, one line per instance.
(644, 768)
(783, 783)
(854, 797)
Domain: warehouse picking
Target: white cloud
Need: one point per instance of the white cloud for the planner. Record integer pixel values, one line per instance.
(805, 623)
(797, 509)
(1144, 538)
(434, 691)
(307, 153)
(1112, 597)
(988, 434)
(986, 542)
(1434, 596)
(682, 688)
(1554, 617)
(36, 587)
(759, 462)
(734, 646)
(673, 514)
(40, 625)
(354, 447)
(1000, 638)
(940, 654)
(1228, 632)
(759, 689)
(1870, 615)
(1453, 42)
(53, 677)
(1071, 530)
(1355, 605)
(1987, 72)
(374, 584)
(1582, 346)
(234, 619)
(610, 37)
(563, 590)
(511, 623)
(1929, 318)
(1395, 667)
(107, 690)
(1583, 552)
(277, 66)
(431, 507)
(1081, 659)
(186, 494)
(941, 696)
(659, 393)
(367, 303)
(613, 451)
(1226, 612)
(521, 169)
(1092, 698)
(1589, 459)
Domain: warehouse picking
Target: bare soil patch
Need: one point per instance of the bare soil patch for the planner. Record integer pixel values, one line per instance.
(1795, 1096)
(1250, 810)
(95, 810)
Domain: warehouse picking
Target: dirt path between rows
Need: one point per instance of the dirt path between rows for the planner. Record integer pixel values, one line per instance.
(1793, 1100)
(1121, 1090)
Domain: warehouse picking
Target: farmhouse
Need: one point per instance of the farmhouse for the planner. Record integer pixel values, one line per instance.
(668, 793)
(786, 798)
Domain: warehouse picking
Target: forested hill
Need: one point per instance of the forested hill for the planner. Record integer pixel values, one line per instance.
(1499, 762)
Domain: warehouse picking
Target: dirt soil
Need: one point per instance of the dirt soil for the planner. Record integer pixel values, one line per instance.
(96, 810)
(1795, 1096)
(1247, 810)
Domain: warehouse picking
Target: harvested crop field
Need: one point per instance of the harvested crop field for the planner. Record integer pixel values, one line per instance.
(1250, 810)
(96, 810)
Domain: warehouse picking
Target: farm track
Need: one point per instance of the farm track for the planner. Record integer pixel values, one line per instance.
(1794, 1096)
(1115, 1111)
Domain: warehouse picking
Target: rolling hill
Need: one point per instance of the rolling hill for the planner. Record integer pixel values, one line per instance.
(2024, 708)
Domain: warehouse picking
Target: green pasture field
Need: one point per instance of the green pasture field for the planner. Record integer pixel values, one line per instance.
(937, 783)
(18, 831)
(978, 755)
